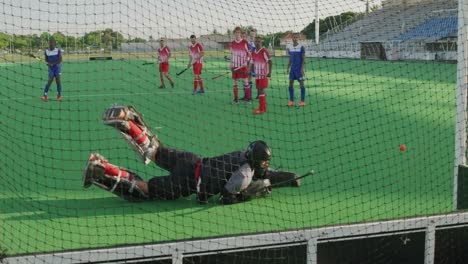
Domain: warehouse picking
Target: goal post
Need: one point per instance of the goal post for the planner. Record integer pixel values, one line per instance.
(371, 108)
(460, 169)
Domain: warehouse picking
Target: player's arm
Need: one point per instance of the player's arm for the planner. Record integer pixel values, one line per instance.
(240, 187)
(257, 189)
(58, 61)
(303, 59)
(46, 58)
(249, 54)
(169, 54)
(190, 61)
(202, 52)
(270, 68)
(281, 178)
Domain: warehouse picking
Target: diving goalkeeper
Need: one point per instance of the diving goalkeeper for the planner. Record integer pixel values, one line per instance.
(238, 176)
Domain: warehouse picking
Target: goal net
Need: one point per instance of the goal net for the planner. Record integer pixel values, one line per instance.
(374, 110)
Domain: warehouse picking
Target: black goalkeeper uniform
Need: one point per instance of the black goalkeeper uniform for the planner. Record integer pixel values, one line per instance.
(192, 174)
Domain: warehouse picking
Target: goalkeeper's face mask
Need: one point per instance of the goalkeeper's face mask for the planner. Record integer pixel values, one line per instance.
(260, 167)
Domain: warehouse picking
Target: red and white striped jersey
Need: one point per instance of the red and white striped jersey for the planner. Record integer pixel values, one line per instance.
(195, 53)
(163, 54)
(240, 53)
(260, 60)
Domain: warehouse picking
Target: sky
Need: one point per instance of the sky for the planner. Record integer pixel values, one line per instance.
(164, 18)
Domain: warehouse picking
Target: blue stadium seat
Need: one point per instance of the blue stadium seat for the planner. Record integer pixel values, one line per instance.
(433, 29)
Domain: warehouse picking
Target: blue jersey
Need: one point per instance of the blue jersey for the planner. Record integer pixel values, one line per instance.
(53, 55)
(251, 46)
(296, 53)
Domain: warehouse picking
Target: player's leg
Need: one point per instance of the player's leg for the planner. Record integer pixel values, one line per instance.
(247, 97)
(303, 91)
(200, 84)
(117, 180)
(181, 181)
(196, 74)
(161, 78)
(47, 86)
(132, 127)
(261, 84)
(291, 89)
(169, 78)
(58, 81)
(200, 80)
(251, 75)
(261, 100)
(235, 89)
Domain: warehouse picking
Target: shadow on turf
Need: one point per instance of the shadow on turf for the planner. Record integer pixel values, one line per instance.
(106, 206)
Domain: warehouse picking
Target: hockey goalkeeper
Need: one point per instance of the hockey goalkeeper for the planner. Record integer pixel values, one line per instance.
(238, 176)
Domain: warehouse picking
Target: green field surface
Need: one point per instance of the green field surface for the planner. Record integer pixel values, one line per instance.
(357, 115)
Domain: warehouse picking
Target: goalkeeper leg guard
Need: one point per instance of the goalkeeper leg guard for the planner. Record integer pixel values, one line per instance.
(131, 125)
(116, 180)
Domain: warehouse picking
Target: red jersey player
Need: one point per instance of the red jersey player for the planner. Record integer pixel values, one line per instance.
(164, 53)
(196, 54)
(240, 57)
(262, 65)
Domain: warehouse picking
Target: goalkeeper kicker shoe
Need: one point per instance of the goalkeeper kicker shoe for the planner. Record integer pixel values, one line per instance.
(94, 169)
(114, 179)
(131, 126)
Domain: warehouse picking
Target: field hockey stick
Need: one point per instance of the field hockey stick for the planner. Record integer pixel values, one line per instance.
(226, 58)
(226, 73)
(311, 172)
(220, 75)
(148, 63)
(34, 57)
(37, 58)
(182, 71)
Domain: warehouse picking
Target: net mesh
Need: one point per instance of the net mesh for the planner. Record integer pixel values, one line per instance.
(377, 126)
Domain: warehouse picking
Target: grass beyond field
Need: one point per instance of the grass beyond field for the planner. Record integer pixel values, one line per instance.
(357, 115)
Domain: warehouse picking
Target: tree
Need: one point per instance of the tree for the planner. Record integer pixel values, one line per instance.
(274, 38)
(137, 40)
(60, 39)
(4, 41)
(330, 23)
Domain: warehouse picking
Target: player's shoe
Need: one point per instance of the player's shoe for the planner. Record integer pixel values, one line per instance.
(246, 100)
(302, 103)
(172, 84)
(44, 98)
(59, 98)
(235, 102)
(132, 127)
(201, 92)
(94, 169)
(194, 92)
(161, 87)
(291, 103)
(258, 111)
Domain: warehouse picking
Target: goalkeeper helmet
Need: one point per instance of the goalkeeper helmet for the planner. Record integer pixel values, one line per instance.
(258, 154)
